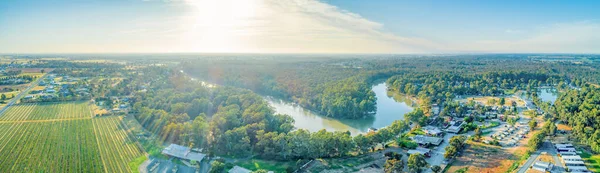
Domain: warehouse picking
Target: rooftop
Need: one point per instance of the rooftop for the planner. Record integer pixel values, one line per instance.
(237, 169)
(420, 139)
(182, 152)
(419, 150)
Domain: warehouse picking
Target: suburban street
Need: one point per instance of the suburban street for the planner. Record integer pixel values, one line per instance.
(22, 93)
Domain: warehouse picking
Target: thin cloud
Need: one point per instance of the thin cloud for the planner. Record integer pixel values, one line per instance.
(297, 25)
(579, 37)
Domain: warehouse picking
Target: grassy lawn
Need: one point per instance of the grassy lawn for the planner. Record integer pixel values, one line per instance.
(338, 163)
(256, 164)
(135, 164)
(36, 74)
(484, 100)
(591, 161)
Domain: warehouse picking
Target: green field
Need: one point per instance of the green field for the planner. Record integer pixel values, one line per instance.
(62, 137)
(591, 161)
(47, 111)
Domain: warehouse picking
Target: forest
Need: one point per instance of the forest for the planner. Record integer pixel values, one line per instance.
(580, 110)
(182, 111)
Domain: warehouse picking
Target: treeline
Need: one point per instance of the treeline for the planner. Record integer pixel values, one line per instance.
(580, 110)
(15, 80)
(443, 86)
(74, 64)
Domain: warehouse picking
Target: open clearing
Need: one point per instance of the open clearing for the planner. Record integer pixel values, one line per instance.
(63, 137)
(483, 158)
(484, 100)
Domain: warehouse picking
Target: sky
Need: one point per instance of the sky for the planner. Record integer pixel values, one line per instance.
(299, 26)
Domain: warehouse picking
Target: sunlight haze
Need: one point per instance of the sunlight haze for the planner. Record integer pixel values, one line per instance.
(296, 26)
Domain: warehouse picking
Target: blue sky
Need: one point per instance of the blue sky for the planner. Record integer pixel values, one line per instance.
(299, 26)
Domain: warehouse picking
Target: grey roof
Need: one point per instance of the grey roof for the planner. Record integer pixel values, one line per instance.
(182, 152)
(574, 163)
(577, 168)
(571, 157)
(563, 145)
(419, 150)
(542, 164)
(237, 169)
(420, 139)
(567, 153)
(431, 130)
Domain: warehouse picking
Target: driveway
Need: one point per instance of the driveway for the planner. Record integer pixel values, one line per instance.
(437, 154)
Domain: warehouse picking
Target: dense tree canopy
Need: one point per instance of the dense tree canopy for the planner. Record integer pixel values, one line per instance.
(580, 109)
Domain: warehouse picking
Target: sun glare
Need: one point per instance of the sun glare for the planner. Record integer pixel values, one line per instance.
(218, 26)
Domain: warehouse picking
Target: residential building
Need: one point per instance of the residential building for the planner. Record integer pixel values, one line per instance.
(183, 153)
(427, 140)
(542, 166)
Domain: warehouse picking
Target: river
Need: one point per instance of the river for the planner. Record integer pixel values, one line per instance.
(390, 107)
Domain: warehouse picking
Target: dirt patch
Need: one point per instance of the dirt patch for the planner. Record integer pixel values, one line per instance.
(563, 127)
(32, 70)
(483, 158)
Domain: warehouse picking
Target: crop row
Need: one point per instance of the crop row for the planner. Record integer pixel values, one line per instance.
(59, 146)
(65, 144)
(117, 147)
(47, 111)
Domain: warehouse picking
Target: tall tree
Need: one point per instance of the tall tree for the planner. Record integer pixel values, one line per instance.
(416, 162)
(393, 166)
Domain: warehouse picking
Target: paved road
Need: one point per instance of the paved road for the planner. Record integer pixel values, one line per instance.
(22, 93)
(529, 162)
(548, 148)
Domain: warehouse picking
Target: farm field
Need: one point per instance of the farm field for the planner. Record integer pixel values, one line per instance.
(63, 137)
(117, 147)
(47, 111)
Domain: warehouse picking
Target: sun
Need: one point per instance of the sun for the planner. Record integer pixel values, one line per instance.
(219, 26)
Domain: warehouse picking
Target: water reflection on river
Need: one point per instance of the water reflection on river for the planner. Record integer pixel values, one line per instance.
(390, 107)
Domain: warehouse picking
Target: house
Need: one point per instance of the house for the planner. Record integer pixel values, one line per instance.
(427, 140)
(563, 154)
(455, 127)
(565, 149)
(35, 91)
(578, 169)
(50, 91)
(28, 97)
(571, 158)
(435, 109)
(163, 166)
(182, 152)
(542, 166)
(237, 169)
(420, 150)
(47, 96)
(564, 146)
(432, 131)
(574, 163)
